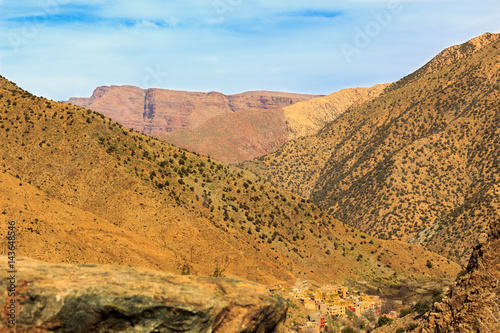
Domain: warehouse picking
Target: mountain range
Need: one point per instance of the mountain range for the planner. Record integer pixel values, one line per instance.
(84, 188)
(381, 185)
(231, 128)
(419, 163)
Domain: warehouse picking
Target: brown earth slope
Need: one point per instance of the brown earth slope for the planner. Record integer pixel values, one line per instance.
(309, 117)
(82, 188)
(419, 163)
(244, 135)
(234, 138)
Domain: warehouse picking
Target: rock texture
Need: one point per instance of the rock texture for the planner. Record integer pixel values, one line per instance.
(473, 303)
(92, 298)
(158, 111)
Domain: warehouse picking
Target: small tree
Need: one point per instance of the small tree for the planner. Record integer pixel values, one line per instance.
(186, 268)
(220, 267)
(384, 321)
(422, 307)
(349, 329)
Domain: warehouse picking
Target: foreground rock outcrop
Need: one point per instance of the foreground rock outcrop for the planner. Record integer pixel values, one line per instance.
(92, 298)
(473, 303)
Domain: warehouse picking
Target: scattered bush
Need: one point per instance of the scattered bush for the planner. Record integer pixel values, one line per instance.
(422, 307)
(349, 329)
(384, 321)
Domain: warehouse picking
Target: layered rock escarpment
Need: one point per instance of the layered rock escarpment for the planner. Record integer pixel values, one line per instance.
(93, 298)
(473, 303)
(159, 111)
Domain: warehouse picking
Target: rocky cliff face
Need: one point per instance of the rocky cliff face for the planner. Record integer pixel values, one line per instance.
(92, 298)
(473, 303)
(158, 111)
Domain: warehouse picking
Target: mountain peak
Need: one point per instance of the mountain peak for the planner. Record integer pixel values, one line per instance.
(484, 39)
(448, 57)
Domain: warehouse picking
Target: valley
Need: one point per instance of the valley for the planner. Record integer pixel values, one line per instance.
(126, 198)
(375, 208)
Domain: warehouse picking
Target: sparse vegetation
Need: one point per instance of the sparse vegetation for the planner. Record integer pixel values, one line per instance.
(419, 162)
(165, 200)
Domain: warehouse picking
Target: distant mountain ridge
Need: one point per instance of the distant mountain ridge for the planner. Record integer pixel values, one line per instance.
(244, 135)
(232, 128)
(157, 111)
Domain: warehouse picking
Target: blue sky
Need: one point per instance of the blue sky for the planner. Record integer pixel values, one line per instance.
(61, 48)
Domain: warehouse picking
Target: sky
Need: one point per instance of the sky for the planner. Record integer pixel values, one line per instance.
(61, 48)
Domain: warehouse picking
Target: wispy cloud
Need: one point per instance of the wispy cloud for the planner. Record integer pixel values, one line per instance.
(66, 48)
(310, 13)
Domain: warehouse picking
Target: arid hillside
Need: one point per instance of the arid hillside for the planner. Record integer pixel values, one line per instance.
(309, 117)
(420, 163)
(241, 136)
(82, 188)
(235, 137)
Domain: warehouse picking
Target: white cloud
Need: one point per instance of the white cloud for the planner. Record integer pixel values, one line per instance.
(274, 45)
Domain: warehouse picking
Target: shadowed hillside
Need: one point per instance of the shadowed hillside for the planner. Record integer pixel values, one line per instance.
(420, 163)
(473, 303)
